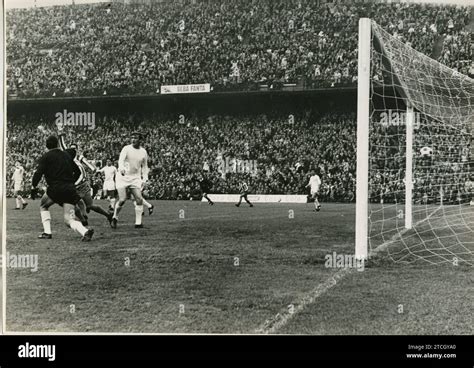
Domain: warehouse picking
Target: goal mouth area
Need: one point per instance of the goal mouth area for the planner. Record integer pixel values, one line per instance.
(414, 142)
(440, 235)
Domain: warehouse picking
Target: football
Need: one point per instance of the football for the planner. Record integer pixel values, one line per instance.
(426, 151)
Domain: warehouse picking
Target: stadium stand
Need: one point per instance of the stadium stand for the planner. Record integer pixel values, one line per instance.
(92, 50)
(284, 151)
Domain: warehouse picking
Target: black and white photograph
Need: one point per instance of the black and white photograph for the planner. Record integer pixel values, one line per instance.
(2, 155)
(247, 167)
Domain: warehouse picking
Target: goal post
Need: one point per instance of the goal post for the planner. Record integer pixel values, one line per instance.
(415, 121)
(362, 170)
(409, 168)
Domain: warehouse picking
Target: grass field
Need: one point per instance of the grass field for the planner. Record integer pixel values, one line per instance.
(223, 269)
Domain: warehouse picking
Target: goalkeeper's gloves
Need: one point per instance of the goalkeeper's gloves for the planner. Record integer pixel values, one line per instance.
(34, 193)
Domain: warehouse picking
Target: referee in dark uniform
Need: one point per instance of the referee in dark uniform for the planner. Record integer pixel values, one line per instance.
(205, 185)
(60, 172)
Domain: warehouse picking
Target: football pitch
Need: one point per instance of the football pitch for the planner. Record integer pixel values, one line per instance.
(197, 268)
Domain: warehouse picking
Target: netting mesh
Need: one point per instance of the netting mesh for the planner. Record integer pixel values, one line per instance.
(443, 219)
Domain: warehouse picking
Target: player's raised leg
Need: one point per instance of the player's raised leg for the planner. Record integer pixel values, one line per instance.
(137, 194)
(146, 204)
(90, 206)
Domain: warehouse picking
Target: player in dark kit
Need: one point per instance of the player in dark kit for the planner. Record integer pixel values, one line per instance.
(205, 185)
(244, 189)
(84, 189)
(60, 172)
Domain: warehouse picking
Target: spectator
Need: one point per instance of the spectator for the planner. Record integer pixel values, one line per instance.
(90, 50)
(284, 153)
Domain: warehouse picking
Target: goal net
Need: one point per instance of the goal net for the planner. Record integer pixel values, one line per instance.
(414, 165)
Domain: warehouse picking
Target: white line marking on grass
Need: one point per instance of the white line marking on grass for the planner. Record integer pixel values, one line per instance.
(282, 318)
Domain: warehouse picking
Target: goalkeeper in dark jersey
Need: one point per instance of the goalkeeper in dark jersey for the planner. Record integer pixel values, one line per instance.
(243, 189)
(205, 185)
(60, 173)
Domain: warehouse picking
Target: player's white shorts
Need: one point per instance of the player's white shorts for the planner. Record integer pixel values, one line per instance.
(128, 181)
(314, 191)
(18, 186)
(109, 185)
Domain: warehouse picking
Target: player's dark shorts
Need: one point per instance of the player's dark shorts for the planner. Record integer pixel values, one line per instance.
(243, 194)
(205, 190)
(63, 193)
(83, 189)
(111, 193)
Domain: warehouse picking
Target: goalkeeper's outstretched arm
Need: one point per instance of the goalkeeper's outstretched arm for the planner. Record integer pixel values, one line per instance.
(82, 159)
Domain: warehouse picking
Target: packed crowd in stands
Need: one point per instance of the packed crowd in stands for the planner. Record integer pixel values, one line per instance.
(458, 52)
(99, 49)
(285, 150)
(441, 175)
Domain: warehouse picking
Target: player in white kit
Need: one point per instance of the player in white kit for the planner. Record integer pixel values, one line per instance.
(314, 184)
(132, 175)
(18, 182)
(110, 172)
